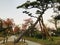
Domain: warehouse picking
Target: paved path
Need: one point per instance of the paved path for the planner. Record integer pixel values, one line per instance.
(32, 43)
(28, 42)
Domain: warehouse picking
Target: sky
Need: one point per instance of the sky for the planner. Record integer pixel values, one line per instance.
(8, 10)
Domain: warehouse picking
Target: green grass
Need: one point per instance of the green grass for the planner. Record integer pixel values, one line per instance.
(45, 42)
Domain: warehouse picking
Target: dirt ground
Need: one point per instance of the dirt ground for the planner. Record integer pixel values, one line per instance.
(11, 43)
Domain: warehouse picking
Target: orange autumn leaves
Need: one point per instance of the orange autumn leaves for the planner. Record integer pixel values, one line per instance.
(26, 24)
(9, 22)
(16, 29)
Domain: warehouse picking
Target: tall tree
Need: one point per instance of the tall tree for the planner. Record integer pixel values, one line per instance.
(42, 5)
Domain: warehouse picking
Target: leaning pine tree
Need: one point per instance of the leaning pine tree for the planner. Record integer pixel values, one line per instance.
(42, 5)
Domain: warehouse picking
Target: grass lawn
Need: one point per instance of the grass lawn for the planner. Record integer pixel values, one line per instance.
(45, 42)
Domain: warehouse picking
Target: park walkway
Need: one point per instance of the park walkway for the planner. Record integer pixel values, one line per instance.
(28, 42)
(32, 43)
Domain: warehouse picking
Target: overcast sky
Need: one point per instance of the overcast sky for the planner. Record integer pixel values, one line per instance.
(8, 10)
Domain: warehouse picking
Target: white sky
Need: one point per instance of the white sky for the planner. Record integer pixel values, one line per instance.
(8, 10)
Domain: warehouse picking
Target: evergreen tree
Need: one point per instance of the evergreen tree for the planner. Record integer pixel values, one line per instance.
(42, 5)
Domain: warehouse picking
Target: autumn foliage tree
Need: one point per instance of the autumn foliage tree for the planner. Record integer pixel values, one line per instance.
(28, 22)
(6, 27)
(9, 23)
(16, 30)
(26, 25)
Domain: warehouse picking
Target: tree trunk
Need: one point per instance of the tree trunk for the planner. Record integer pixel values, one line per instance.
(56, 24)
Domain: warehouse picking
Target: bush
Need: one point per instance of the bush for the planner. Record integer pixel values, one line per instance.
(38, 35)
